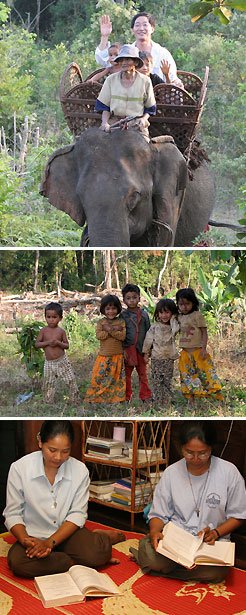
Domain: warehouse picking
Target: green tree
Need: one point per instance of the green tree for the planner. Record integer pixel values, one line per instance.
(4, 13)
(16, 53)
(219, 8)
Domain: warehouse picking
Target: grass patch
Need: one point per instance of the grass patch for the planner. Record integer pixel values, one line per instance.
(15, 382)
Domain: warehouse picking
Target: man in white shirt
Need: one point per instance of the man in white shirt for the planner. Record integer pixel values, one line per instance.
(143, 25)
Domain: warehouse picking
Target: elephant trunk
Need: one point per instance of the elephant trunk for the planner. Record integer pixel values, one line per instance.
(116, 235)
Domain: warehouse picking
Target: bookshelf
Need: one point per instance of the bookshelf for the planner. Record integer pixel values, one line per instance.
(143, 435)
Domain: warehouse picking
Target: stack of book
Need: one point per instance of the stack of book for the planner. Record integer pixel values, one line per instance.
(122, 492)
(104, 448)
(153, 477)
(101, 490)
(147, 454)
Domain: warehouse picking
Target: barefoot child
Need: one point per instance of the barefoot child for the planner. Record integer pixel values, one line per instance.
(197, 372)
(54, 341)
(159, 344)
(137, 325)
(108, 379)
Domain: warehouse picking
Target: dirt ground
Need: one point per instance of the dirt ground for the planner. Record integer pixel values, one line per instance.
(22, 396)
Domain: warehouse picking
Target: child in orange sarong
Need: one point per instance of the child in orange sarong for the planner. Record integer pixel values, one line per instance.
(108, 378)
(197, 372)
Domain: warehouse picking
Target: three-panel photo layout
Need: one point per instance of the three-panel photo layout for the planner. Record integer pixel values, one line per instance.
(122, 308)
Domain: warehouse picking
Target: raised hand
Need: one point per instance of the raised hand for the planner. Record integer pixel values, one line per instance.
(165, 67)
(105, 25)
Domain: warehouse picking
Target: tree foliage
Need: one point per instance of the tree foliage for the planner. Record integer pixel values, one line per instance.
(78, 269)
(31, 356)
(30, 73)
(219, 8)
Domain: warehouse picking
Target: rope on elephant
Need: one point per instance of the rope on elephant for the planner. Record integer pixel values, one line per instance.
(194, 154)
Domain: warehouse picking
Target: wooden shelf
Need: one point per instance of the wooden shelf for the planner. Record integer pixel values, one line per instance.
(143, 434)
(121, 464)
(119, 506)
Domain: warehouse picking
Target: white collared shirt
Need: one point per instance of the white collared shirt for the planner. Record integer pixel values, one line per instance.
(41, 507)
(158, 54)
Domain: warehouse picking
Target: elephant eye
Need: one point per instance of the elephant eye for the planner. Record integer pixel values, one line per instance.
(133, 199)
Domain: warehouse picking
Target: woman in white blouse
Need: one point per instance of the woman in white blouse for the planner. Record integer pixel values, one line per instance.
(46, 509)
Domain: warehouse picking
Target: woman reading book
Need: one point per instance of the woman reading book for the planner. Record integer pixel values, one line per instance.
(47, 499)
(200, 493)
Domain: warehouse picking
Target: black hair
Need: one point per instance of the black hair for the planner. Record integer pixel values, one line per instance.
(162, 305)
(51, 429)
(110, 300)
(151, 18)
(203, 430)
(56, 307)
(146, 55)
(130, 288)
(188, 293)
(117, 44)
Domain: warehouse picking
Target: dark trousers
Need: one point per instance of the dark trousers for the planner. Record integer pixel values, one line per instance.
(141, 367)
(83, 547)
(151, 561)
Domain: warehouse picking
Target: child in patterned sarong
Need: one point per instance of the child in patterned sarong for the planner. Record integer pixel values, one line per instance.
(54, 341)
(197, 372)
(108, 379)
(160, 345)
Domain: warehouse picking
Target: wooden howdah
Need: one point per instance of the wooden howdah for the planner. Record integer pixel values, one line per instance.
(178, 111)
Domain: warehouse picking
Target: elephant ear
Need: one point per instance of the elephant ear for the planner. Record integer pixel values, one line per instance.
(59, 183)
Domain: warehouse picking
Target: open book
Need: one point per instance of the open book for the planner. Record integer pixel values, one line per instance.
(73, 586)
(188, 550)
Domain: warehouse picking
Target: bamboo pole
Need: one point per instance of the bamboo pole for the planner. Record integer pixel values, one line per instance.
(23, 145)
(162, 271)
(36, 138)
(4, 140)
(14, 150)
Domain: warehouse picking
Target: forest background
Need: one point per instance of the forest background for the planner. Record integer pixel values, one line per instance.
(39, 39)
(29, 279)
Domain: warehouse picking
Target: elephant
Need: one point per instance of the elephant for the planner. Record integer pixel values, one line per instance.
(130, 192)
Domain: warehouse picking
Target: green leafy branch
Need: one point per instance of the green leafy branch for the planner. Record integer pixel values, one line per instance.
(32, 357)
(220, 8)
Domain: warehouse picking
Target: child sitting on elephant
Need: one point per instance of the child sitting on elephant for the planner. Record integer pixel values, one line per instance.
(127, 93)
(112, 68)
(165, 66)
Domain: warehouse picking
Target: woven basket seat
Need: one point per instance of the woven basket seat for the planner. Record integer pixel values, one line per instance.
(177, 114)
(96, 72)
(192, 83)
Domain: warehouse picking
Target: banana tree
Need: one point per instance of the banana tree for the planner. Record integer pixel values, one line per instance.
(218, 295)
